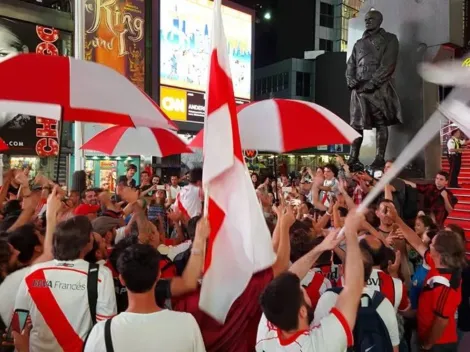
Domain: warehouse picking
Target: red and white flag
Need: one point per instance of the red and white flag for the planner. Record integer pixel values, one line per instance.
(239, 243)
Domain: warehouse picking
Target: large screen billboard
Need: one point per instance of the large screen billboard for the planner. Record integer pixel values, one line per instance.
(24, 134)
(185, 44)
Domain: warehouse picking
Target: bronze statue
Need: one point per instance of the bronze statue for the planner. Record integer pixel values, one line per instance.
(374, 101)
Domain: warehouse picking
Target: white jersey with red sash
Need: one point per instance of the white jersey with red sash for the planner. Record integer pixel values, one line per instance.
(189, 201)
(316, 283)
(390, 287)
(56, 295)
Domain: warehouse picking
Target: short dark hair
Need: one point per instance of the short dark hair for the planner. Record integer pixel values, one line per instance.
(139, 267)
(333, 169)
(445, 174)
(282, 300)
(301, 244)
(12, 208)
(132, 167)
(384, 200)
(24, 240)
(378, 255)
(454, 132)
(426, 220)
(195, 175)
(86, 191)
(119, 248)
(368, 264)
(145, 172)
(451, 248)
(71, 237)
(458, 230)
(5, 255)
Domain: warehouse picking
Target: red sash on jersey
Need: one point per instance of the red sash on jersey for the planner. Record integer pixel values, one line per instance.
(313, 288)
(47, 305)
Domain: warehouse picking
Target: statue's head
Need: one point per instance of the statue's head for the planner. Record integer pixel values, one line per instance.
(373, 20)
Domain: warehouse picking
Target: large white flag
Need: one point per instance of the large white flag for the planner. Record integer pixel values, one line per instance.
(240, 243)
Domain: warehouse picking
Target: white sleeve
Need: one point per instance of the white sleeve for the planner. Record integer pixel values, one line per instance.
(263, 334)
(23, 299)
(450, 144)
(198, 342)
(106, 305)
(326, 302)
(95, 341)
(173, 251)
(389, 317)
(120, 234)
(333, 325)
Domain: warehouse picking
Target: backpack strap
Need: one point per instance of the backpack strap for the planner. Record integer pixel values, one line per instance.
(376, 300)
(108, 340)
(92, 287)
(336, 290)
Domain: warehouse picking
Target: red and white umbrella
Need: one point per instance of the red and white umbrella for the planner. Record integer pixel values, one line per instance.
(282, 125)
(60, 87)
(121, 140)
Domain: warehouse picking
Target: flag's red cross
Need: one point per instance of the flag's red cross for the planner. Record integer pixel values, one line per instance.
(221, 93)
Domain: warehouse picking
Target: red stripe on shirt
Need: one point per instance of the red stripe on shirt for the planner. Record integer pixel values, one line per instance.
(344, 323)
(42, 296)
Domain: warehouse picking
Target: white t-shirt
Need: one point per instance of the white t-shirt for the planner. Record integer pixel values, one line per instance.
(451, 144)
(325, 197)
(8, 291)
(173, 192)
(120, 234)
(55, 293)
(331, 335)
(386, 311)
(189, 201)
(161, 331)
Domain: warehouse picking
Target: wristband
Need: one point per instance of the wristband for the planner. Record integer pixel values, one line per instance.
(196, 251)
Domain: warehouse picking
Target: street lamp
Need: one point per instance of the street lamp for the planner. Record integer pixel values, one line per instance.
(267, 16)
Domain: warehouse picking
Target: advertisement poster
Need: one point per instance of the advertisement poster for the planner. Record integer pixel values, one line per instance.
(185, 44)
(183, 105)
(115, 36)
(24, 134)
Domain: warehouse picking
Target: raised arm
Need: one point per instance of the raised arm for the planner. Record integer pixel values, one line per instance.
(283, 252)
(348, 300)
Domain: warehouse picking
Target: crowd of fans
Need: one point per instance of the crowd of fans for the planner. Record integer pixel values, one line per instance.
(101, 271)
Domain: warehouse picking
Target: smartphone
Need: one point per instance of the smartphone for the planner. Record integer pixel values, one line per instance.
(18, 323)
(378, 174)
(160, 188)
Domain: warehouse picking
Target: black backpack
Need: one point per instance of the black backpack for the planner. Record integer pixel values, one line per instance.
(370, 332)
(410, 207)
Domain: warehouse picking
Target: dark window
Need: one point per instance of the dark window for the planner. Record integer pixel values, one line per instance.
(285, 79)
(302, 84)
(263, 86)
(257, 87)
(269, 87)
(306, 87)
(326, 45)
(326, 15)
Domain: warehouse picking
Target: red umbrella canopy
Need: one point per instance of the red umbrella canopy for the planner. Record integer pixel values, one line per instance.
(282, 125)
(120, 140)
(51, 86)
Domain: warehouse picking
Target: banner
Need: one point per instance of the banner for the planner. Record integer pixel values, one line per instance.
(115, 36)
(30, 135)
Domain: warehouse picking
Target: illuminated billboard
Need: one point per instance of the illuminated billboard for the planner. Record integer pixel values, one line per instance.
(185, 44)
(184, 105)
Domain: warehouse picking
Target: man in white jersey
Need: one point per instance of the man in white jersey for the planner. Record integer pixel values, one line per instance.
(286, 324)
(144, 326)
(189, 199)
(56, 292)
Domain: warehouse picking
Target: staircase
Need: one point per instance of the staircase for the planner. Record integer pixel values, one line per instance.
(461, 214)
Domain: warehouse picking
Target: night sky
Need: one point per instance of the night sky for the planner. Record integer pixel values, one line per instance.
(265, 31)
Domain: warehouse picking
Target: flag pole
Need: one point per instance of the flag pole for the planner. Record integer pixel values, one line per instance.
(79, 53)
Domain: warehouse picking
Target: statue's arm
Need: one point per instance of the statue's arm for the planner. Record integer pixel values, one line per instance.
(351, 69)
(388, 63)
